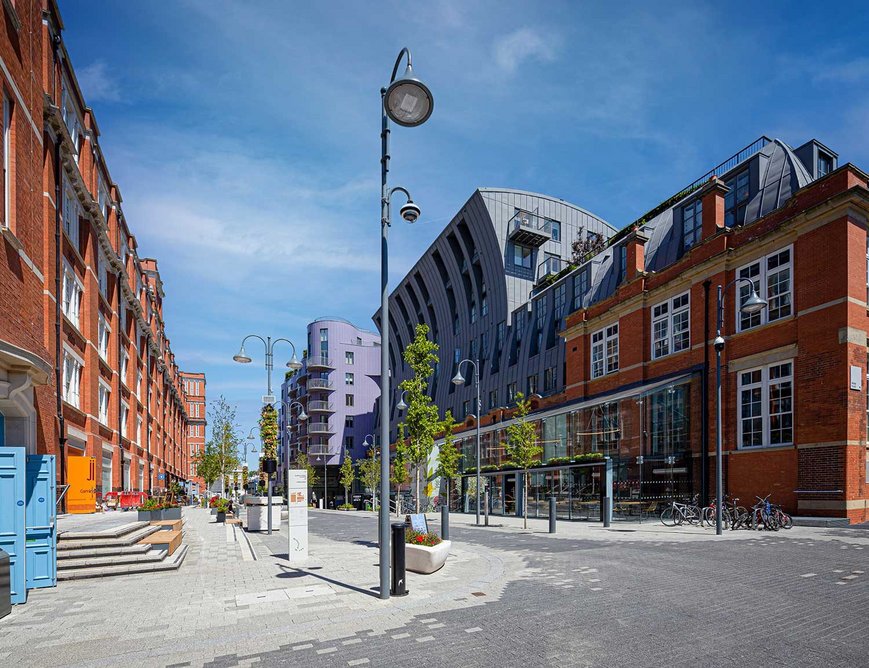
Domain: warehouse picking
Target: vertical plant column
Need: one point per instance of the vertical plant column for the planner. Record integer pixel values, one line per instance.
(522, 447)
(268, 431)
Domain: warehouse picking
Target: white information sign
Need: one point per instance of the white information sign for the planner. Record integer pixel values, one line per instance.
(297, 522)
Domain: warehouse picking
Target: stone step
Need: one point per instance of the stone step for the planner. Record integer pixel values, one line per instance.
(147, 557)
(168, 564)
(126, 539)
(821, 522)
(164, 540)
(117, 532)
(94, 552)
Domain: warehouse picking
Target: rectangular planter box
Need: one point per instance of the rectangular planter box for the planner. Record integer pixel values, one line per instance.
(171, 513)
(148, 515)
(221, 518)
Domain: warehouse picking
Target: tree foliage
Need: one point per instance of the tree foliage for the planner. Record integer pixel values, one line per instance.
(522, 446)
(586, 245)
(220, 456)
(303, 463)
(422, 422)
(369, 471)
(448, 455)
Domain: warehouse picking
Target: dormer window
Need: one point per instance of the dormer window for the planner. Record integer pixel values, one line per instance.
(736, 200)
(825, 164)
(692, 223)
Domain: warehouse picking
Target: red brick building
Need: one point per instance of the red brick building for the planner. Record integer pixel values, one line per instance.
(86, 368)
(194, 390)
(640, 357)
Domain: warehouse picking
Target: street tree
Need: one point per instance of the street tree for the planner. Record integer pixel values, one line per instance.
(369, 473)
(305, 465)
(347, 475)
(448, 455)
(222, 449)
(522, 447)
(422, 420)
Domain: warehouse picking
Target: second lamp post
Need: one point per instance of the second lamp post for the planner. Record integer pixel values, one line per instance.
(459, 379)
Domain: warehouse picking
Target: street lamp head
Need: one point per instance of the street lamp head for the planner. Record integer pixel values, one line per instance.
(753, 303)
(294, 363)
(241, 357)
(458, 379)
(401, 405)
(408, 101)
(410, 211)
(303, 415)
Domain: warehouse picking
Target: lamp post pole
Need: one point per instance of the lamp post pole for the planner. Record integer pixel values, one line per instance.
(408, 102)
(459, 379)
(752, 304)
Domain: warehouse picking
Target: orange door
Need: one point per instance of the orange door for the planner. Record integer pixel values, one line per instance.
(81, 474)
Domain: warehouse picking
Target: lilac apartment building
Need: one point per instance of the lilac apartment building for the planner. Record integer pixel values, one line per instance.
(338, 385)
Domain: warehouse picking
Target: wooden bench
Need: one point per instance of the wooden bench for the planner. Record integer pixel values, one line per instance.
(168, 525)
(165, 540)
(233, 520)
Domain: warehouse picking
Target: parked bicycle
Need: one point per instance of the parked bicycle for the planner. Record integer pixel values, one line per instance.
(677, 513)
(730, 512)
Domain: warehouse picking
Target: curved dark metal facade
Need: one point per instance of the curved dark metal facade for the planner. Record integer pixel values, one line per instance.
(473, 286)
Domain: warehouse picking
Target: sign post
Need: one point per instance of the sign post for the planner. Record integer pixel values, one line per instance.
(297, 520)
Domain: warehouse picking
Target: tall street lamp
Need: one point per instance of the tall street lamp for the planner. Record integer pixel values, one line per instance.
(459, 379)
(408, 102)
(752, 304)
(303, 417)
(269, 466)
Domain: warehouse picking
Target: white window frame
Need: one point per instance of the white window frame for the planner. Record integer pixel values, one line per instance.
(104, 396)
(665, 316)
(138, 430)
(605, 347)
(125, 415)
(103, 275)
(349, 378)
(72, 371)
(349, 357)
(762, 286)
(765, 384)
(71, 214)
(73, 289)
(125, 366)
(104, 331)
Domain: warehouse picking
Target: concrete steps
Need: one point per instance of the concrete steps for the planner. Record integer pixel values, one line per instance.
(167, 564)
(135, 547)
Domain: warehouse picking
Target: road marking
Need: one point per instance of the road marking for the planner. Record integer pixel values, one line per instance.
(595, 580)
(808, 575)
(357, 662)
(305, 646)
(439, 625)
(430, 620)
(473, 630)
(352, 641)
(400, 636)
(858, 572)
(850, 577)
(837, 570)
(425, 639)
(597, 588)
(327, 650)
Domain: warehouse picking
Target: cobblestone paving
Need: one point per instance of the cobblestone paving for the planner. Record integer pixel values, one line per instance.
(635, 596)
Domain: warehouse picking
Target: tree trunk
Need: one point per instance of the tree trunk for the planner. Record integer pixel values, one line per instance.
(525, 500)
(417, 488)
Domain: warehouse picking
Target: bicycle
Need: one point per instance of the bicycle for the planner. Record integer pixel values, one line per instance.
(762, 515)
(676, 513)
(729, 513)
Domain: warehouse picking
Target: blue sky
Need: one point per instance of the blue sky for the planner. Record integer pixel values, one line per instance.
(245, 135)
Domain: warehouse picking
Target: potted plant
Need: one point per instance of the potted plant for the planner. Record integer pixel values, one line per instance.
(424, 552)
(149, 511)
(221, 507)
(212, 502)
(346, 506)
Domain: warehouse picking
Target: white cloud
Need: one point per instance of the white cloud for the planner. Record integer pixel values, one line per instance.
(97, 84)
(849, 72)
(521, 45)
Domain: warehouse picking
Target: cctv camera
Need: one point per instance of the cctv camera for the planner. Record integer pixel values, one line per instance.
(719, 343)
(410, 212)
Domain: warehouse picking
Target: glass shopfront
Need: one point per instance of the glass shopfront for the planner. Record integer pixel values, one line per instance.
(653, 437)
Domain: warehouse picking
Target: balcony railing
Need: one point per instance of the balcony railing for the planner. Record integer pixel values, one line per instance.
(319, 384)
(551, 265)
(319, 428)
(322, 406)
(529, 229)
(320, 362)
(320, 450)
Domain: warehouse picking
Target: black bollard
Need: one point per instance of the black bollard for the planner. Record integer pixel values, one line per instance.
(445, 522)
(551, 514)
(399, 582)
(606, 510)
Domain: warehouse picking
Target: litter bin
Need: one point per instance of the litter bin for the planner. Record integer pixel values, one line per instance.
(5, 585)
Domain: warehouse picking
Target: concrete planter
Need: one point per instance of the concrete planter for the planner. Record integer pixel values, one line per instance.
(257, 516)
(221, 518)
(170, 513)
(148, 515)
(426, 560)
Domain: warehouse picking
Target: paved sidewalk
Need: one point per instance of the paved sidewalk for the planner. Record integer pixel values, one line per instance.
(221, 602)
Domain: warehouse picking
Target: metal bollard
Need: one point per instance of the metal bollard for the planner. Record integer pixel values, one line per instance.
(551, 514)
(445, 522)
(607, 501)
(399, 582)
(486, 507)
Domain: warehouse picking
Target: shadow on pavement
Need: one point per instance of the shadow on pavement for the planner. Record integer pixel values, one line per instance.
(293, 572)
